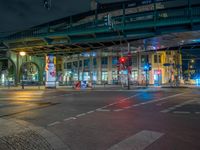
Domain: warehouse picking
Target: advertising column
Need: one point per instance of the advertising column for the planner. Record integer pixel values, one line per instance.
(50, 71)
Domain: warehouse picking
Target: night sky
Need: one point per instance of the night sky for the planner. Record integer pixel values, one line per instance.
(18, 15)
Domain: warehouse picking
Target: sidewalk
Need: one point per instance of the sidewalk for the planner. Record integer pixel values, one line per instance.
(97, 87)
(20, 88)
(21, 135)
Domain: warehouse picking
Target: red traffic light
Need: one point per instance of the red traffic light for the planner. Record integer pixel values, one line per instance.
(122, 60)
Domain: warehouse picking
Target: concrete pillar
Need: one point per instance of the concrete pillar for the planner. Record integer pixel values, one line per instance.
(109, 69)
(91, 66)
(99, 69)
(17, 69)
(78, 67)
(139, 66)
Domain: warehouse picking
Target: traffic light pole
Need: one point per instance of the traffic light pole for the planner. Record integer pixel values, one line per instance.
(128, 79)
(146, 78)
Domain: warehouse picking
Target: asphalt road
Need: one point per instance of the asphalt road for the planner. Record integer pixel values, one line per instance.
(167, 119)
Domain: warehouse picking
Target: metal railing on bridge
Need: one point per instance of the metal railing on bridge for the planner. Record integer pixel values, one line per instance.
(153, 18)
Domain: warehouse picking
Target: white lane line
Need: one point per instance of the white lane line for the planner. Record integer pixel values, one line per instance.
(104, 110)
(89, 112)
(135, 105)
(80, 115)
(176, 106)
(157, 100)
(70, 118)
(128, 107)
(139, 141)
(165, 111)
(120, 101)
(54, 123)
(181, 112)
(197, 112)
(117, 110)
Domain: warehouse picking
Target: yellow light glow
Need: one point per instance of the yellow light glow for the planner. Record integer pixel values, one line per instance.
(22, 53)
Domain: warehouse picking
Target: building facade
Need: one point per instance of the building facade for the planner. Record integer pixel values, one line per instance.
(103, 67)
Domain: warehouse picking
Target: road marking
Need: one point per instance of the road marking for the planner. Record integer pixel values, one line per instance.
(54, 123)
(71, 118)
(120, 101)
(89, 112)
(104, 110)
(139, 141)
(117, 110)
(176, 106)
(80, 115)
(165, 111)
(135, 105)
(197, 112)
(128, 107)
(181, 112)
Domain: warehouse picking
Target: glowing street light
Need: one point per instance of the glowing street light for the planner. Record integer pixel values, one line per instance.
(22, 53)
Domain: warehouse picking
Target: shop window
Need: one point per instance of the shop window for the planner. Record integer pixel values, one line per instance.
(114, 75)
(134, 75)
(94, 76)
(104, 76)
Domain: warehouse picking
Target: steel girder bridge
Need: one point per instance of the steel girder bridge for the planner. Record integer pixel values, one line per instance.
(108, 25)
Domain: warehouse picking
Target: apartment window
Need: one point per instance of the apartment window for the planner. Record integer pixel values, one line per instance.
(157, 58)
(134, 61)
(114, 61)
(86, 62)
(104, 60)
(95, 62)
(144, 59)
(69, 65)
(65, 65)
(75, 64)
(80, 63)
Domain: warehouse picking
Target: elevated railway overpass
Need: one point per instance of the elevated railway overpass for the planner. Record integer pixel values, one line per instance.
(108, 25)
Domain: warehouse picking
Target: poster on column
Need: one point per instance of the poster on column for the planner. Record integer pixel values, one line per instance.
(50, 71)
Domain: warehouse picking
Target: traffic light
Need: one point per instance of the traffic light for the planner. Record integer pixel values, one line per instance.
(147, 67)
(150, 67)
(122, 60)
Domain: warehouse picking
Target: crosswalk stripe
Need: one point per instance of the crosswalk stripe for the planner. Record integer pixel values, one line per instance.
(139, 141)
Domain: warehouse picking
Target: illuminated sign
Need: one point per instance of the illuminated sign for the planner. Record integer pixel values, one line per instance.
(50, 71)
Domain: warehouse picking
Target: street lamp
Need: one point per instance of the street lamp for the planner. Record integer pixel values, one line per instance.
(22, 54)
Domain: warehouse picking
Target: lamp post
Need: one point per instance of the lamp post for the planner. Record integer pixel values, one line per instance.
(22, 54)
